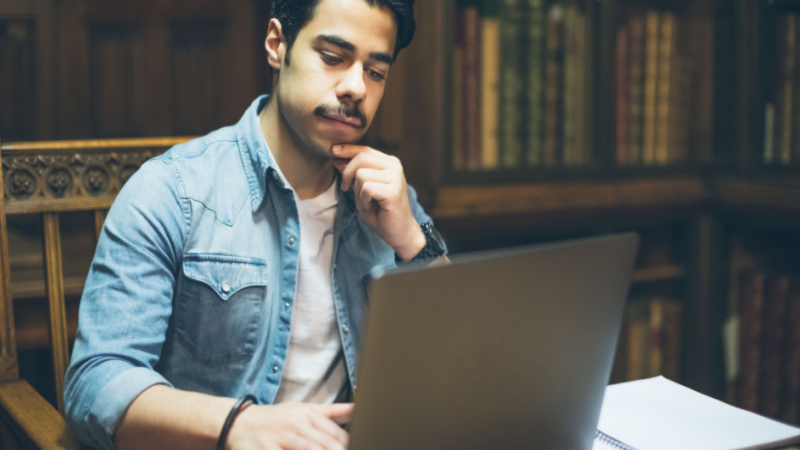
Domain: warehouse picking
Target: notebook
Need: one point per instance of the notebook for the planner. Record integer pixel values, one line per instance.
(656, 413)
(508, 349)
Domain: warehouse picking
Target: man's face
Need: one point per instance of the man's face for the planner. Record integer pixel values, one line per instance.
(330, 90)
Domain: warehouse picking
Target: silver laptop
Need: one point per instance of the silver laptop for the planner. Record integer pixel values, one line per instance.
(500, 350)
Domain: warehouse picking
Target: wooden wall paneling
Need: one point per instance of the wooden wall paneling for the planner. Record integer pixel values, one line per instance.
(54, 282)
(27, 69)
(8, 346)
(198, 69)
(73, 71)
(243, 52)
(118, 69)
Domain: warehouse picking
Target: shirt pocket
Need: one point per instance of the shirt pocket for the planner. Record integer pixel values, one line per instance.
(219, 307)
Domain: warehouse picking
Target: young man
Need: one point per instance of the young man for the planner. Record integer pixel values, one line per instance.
(237, 263)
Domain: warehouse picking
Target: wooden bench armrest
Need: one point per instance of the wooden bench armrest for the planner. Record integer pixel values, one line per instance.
(34, 421)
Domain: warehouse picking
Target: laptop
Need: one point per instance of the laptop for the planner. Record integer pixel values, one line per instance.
(508, 349)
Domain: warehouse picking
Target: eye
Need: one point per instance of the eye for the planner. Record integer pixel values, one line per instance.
(375, 75)
(329, 59)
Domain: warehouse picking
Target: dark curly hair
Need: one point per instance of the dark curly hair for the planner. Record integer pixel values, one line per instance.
(294, 14)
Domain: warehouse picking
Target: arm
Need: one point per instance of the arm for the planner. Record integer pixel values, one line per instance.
(383, 198)
(163, 417)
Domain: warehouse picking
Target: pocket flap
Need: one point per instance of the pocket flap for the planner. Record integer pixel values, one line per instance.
(225, 274)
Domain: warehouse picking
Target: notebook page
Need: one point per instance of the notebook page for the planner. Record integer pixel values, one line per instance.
(657, 413)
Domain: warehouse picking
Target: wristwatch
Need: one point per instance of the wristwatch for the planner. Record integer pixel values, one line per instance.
(434, 247)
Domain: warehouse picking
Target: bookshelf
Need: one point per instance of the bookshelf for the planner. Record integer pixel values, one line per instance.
(701, 185)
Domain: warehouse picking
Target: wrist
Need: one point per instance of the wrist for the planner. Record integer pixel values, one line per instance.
(412, 245)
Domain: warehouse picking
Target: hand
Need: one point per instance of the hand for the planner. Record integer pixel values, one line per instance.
(381, 195)
(289, 426)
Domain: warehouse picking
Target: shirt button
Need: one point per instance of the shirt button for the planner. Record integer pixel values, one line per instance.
(291, 240)
(345, 328)
(275, 368)
(274, 174)
(226, 287)
(286, 305)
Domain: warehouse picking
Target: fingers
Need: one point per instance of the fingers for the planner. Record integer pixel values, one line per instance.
(338, 412)
(364, 158)
(374, 194)
(348, 151)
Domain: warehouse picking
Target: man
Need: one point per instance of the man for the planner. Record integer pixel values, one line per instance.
(237, 263)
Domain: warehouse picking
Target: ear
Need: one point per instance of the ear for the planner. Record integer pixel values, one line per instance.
(275, 44)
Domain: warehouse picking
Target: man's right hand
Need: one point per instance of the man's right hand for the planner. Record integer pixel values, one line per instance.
(288, 426)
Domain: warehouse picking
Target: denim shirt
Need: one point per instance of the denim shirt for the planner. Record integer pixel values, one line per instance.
(194, 278)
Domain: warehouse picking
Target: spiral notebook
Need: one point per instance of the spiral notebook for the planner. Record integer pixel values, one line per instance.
(656, 413)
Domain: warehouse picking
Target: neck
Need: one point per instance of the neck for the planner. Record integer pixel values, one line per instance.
(309, 175)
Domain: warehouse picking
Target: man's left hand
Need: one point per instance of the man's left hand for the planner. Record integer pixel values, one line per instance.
(381, 196)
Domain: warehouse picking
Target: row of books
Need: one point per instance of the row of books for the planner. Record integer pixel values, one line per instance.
(653, 80)
(650, 341)
(520, 85)
(768, 379)
(782, 115)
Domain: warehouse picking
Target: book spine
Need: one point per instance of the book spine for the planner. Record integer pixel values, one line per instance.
(472, 88)
(651, 87)
(459, 93)
(751, 296)
(512, 84)
(678, 136)
(666, 55)
(636, 50)
(672, 340)
(790, 400)
(655, 353)
(570, 69)
(769, 133)
(622, 96)
(786, 100)
(582, 33)
(554, 78)
(776, 297)
(637, 317)
(535, 88)
(490, 75)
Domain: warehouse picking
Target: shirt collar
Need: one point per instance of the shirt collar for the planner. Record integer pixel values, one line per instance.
(259, 164)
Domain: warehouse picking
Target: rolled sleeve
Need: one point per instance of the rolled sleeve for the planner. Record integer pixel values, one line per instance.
(126, 305)
(114, 398)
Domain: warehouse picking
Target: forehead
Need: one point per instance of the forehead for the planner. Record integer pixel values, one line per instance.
(369, 28)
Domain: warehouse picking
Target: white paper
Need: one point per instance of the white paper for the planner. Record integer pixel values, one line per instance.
(656, 413)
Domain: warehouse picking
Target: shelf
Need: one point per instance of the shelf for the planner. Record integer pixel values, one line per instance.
(775, 195)
(659, 273)
(455, 202)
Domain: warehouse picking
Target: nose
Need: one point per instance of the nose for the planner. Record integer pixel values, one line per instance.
(351, 85)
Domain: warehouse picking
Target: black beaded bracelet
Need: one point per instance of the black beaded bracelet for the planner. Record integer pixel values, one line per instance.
(226, 428)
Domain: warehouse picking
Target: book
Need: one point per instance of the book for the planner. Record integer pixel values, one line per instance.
(776, 297)
(490, 109)
(786, 98)
(622, 96)
(636, 51)
(458, 154)
(656, 413)
(790, 398)
(535, 86)
(554, 87)
(651, 73)
(668, 35)
(472, 88)
(512, 82)
(751, 307)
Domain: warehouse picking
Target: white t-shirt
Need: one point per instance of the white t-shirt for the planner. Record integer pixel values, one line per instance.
(314, 371)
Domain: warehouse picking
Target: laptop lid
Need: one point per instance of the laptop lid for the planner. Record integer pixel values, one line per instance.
(503, 349)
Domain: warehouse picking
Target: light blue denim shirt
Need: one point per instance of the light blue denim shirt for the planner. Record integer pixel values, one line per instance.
(194, 278)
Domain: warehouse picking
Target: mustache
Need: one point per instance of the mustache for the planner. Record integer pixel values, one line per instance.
(341, 110)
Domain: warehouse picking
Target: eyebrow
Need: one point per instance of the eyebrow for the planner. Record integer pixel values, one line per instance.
(346, 45)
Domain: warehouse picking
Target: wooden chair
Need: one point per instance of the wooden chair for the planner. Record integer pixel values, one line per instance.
(49, 178)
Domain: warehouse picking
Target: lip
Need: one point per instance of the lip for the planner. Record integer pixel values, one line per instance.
(349, 121)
